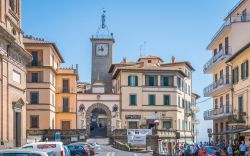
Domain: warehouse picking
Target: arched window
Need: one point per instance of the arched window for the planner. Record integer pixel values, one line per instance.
(12, 4)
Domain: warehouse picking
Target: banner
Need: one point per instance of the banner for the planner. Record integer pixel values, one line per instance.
(138, 136)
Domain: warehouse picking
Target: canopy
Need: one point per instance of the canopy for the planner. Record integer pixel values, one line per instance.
(234, 131)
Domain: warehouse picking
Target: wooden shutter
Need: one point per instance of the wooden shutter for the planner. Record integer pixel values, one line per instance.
(247, 70)
(242, 71)
(129, 80)
(136, 80)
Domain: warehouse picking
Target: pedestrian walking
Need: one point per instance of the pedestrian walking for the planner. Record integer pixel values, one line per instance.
(229, 150)
(243, 148)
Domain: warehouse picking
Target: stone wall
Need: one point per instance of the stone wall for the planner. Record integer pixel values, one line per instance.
(67, 136)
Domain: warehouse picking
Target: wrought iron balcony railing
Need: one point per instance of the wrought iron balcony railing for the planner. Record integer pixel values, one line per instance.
(217, 86)
(216, 113)
(224, 53)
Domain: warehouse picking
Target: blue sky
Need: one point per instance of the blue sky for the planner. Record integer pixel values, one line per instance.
(180, 28)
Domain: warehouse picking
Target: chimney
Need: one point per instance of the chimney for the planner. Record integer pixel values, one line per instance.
(124, 60)
(173, 59)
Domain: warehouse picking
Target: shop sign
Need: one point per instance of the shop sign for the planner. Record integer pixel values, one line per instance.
(133, 116)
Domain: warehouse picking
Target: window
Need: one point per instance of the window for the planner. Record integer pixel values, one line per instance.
(183, 105)
(34, 121)
(179, 101)
(167, 125)
(12, 4)
(151, 80)
(244, 70)
(221, 101)
(132, 81)
(166, 100)
(65, 124)
(133, 100)
(227, 103)
(132, 124)
(179, 82)
(16, 77)
(165, 81)
(183, 125)
(151, 99)
(179, 124)
(236, 75)
(65, 104)
(34, 97)
(34, 58)
(226, 45)
(34, 77)
(216, 103)
(65, 86)
(240, 107)
(189, 90)
(149, 61)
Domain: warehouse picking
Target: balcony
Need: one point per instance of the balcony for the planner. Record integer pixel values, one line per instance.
(217, 113)
(65, 110)
(220, 57)
(35, 64)
(195, 109)
(66, 90)
(229, 21)
(223, 84)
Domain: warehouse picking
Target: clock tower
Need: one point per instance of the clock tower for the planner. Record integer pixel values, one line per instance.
(102, 56)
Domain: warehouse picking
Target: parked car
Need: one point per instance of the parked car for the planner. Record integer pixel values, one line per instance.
(78, 150)
(91, 148)
(57, 147)
(25, 152)
(97, 147)
(211, 151)
(67, 151)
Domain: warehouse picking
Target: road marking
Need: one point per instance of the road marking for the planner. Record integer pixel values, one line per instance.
(135, 154)
(113, 154)
(108, 154)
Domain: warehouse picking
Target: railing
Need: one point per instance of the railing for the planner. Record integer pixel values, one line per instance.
(229, 21)
(223, 111)
(35, 64)
(215, 59)
(65, 110)
(66, 90)
(225, 81)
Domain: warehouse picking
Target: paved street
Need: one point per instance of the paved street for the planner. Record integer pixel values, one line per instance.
(108, 150)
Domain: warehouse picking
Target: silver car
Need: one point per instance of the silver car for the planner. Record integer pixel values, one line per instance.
(25, 152)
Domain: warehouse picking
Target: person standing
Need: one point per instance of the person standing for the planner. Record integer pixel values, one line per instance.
(243, 148)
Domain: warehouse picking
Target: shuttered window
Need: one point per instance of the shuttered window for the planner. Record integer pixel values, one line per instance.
(65, 104)
(244, 70)
(132, 80)
(236, 75)
(151, 99)
(166, 100)
(133, 100)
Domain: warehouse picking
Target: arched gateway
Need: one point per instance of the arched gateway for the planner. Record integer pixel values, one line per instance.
(102, 109)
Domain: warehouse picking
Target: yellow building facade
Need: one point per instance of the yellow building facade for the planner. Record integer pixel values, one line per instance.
(66, 93)
(228, 40)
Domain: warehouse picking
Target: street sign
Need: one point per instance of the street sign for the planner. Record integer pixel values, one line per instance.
(209, 131)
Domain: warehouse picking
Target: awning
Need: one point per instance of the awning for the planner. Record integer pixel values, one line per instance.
(234, 131)
(245, 133)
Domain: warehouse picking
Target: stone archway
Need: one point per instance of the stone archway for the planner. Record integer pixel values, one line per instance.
(108, 113)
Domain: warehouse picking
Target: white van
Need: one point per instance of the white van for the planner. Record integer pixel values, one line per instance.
(57, 147)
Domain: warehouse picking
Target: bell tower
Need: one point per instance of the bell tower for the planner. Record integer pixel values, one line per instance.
(102, 55)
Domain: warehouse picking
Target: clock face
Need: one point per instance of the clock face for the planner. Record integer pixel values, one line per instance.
(101, 49)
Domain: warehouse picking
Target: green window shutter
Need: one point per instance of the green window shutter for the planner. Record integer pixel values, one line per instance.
(133, 100)
(242, 71)
(165, 81)
(129, 80)
(237, 74)
(151, 99)
(166, 100)
(136, 80)
(247, 68)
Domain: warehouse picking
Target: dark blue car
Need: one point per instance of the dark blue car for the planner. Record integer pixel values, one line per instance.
(78, 150)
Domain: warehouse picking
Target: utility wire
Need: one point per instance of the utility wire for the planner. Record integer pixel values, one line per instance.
(204, 100)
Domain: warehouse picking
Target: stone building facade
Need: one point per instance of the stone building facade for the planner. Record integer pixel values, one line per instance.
(13, 59)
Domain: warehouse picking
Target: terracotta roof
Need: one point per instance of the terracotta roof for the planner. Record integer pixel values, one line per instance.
(238, 52)
(31, 40)
(150, 57)
(179, 63)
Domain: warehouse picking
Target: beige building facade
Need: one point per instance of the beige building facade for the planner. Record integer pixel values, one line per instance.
(155, 95)
(41, 83)
(228, 40)
(13, 59)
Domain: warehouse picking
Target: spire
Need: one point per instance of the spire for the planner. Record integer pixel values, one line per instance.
(103, 31)
(103, 18)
